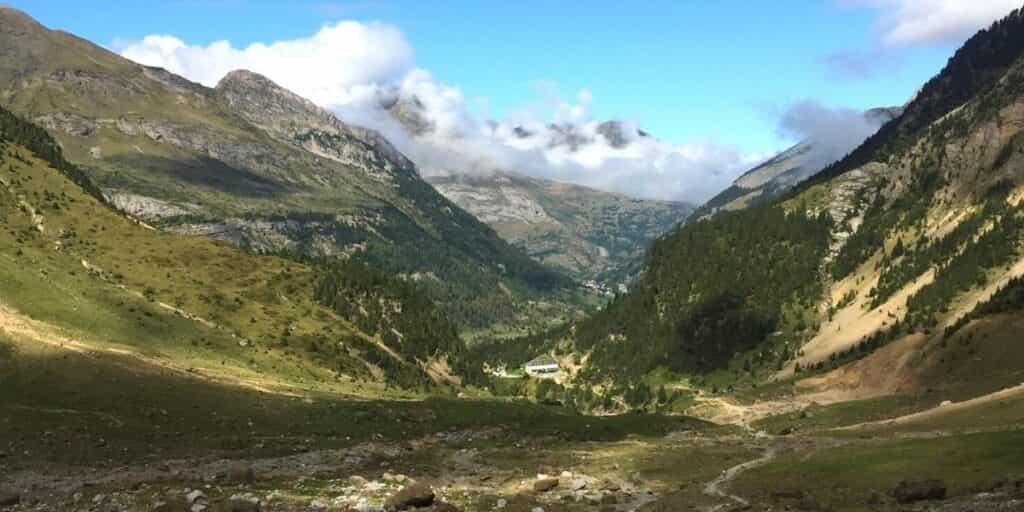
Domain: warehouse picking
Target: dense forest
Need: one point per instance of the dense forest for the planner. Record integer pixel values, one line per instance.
(399, 313)
(710, 290)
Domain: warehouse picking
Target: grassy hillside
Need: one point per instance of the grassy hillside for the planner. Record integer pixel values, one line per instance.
(72, 262)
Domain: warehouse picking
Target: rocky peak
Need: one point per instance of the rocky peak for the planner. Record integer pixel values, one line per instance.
(294, 119)
(409, 112)
(272, 107)
(615, 133)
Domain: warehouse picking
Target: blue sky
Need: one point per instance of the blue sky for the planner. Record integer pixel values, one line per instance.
(722, 83)
(682, 69)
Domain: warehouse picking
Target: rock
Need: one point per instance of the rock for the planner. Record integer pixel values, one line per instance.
(241, 474)
(198, 507)
(9, 498)
(545, 484)
(99, 498)
(192, 497)
(910, 492)
(502, 503)
(611, 485)
(578, 484)
(243, 503)
(417, 495)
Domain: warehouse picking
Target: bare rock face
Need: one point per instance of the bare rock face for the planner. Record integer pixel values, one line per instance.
(296, 120)
(148, 208)
(409, 113)
(70, 124)
(615, 133)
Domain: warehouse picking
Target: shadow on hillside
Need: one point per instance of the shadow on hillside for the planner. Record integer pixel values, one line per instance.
(204, 172)
(78, 409)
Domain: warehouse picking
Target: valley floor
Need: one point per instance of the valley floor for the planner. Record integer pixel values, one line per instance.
(86, 427)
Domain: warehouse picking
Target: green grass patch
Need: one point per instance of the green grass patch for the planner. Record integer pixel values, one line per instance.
(845, 476)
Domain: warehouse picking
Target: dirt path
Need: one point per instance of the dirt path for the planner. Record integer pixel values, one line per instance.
(716, 487)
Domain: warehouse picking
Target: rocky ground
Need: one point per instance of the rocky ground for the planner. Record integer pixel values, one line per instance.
(469, 470)
(456, 470)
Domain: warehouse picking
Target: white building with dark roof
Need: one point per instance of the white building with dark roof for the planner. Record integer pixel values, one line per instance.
(542, 366)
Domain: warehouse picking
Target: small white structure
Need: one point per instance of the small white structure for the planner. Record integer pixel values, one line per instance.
(542, 366)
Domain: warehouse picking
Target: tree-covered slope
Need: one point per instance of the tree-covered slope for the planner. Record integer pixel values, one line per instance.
(254, 164)
(906, 235)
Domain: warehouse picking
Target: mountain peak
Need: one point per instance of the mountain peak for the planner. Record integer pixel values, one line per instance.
(244, 76)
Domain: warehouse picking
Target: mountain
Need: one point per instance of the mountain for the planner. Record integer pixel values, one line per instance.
(782, 172)
(254, 164)
(896, 269)
(589, 234)
(78, 269)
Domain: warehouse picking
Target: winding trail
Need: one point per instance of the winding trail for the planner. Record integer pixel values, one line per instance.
(716, 487)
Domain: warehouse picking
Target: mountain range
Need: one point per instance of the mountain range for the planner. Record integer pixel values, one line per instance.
(594, 236)
(255, 164)
(229, 298)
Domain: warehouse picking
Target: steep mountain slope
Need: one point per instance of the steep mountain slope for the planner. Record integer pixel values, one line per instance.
(78, 273)
(254, 164)
(894, 244)
(784, 171)
(592, 235)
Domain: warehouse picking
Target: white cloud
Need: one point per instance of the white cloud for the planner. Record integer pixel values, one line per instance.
(353, 67)
(908, 22)
(834, 131)
(337, 65)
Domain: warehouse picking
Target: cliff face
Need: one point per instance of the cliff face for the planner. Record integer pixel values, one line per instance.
(592, 235)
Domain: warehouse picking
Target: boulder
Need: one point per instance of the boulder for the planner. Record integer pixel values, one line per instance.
(241, 474)
(545, 484)
(417, 495)
(921, 490)
(195, 496)
(243, 503)
(578, 484)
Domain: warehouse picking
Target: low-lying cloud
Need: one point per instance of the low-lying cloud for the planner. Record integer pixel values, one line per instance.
(354, 68)
(834, 131)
